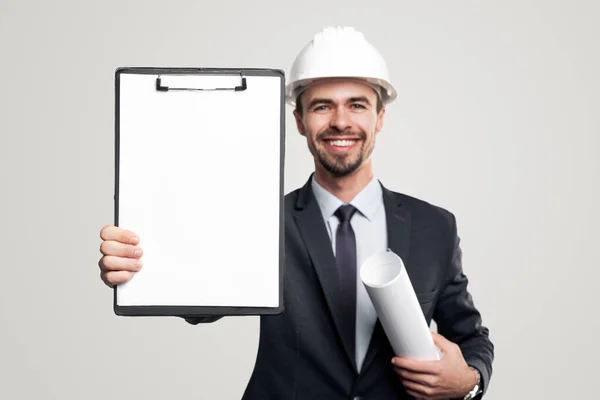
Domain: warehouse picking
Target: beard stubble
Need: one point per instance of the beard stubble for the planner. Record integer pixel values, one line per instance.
(341, 164)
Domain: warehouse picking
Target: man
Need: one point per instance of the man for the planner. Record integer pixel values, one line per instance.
(328, 343)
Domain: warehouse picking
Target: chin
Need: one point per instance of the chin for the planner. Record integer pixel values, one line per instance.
(340, 170)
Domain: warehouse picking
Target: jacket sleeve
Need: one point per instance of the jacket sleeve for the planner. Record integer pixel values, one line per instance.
(457, 318)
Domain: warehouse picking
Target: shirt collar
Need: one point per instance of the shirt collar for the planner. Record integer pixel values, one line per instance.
(367, 201)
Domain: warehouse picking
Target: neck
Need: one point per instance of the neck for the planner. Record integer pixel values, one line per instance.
(345, 187)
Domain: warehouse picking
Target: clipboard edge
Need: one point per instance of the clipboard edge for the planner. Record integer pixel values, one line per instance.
(194, 311)
(196, 70)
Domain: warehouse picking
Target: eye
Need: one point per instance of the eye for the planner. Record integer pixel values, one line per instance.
(357, 106)
(320, 108)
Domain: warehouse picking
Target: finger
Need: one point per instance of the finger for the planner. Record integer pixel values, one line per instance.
(419, 391)
(112, 278)
(423, 379)
(420, 366)
(423, 392)
(113, 248)
(112, 263)
(111, 232)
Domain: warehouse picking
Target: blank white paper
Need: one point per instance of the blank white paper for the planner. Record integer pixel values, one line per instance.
(199, 181)
(397, 306)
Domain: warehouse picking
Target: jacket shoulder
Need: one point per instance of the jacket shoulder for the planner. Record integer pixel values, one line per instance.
(290, 198)
(424, 210)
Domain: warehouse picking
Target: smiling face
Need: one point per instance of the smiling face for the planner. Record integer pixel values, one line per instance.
(339, 119)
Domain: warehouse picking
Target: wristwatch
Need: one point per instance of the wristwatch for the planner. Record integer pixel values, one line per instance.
(476, 389)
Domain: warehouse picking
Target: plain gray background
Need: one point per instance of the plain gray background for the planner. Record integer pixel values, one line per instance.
(496, 120)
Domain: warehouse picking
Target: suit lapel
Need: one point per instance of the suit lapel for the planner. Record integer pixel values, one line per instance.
(398, 220)
(309, 220)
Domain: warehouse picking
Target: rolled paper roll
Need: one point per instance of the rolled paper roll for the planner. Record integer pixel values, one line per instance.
(388, 285)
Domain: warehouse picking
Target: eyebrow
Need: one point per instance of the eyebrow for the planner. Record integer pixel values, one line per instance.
(358, 99)
(314, 102)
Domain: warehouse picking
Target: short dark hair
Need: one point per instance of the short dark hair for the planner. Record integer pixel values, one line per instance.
(300, 110)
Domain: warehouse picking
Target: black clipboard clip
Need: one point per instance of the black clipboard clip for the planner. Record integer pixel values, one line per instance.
(242, 87)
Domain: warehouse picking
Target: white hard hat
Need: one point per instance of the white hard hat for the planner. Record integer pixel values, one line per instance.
(341, 52)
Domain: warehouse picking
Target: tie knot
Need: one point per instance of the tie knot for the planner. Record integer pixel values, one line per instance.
(345, 212)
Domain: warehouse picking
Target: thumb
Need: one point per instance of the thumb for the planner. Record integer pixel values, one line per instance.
(442, 343)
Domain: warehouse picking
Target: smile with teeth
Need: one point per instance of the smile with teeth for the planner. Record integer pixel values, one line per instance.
(342, 142)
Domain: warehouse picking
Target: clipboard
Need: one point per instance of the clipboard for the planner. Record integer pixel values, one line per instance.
(199, 169)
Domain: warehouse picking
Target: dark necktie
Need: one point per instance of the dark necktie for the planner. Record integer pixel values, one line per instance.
(345, 255)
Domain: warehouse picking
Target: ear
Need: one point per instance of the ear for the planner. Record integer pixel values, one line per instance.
(299, 123)
(380, 120)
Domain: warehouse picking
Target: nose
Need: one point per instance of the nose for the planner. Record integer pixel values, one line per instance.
(340, 120)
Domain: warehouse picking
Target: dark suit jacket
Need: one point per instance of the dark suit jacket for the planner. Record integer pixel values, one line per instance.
(301, 352)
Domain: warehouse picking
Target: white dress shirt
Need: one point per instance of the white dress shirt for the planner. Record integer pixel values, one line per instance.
(369, 227)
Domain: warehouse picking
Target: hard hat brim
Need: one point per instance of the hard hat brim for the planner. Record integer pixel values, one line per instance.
(383, 88)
